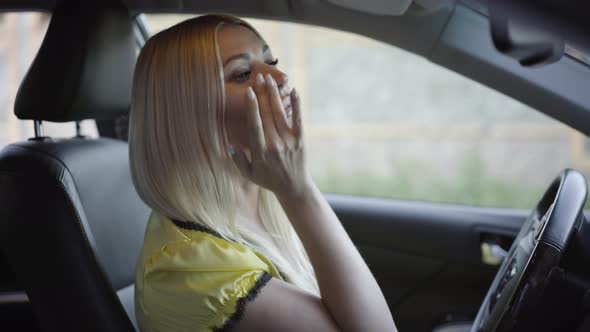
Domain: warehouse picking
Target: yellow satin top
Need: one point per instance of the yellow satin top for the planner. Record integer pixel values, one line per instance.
(193, 280)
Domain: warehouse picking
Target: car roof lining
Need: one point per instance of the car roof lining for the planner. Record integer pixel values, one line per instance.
(436, 35)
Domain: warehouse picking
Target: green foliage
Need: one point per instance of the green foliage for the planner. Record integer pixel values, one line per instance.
(417, 181)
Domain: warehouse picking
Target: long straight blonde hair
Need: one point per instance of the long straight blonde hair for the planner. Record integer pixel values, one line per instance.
(178, 153)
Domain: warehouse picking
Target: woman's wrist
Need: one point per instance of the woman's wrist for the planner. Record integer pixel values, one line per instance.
(298, 194)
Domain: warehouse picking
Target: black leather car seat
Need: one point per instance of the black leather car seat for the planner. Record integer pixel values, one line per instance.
(71, 223)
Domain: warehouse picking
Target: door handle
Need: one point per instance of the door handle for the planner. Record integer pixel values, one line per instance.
(492, 253)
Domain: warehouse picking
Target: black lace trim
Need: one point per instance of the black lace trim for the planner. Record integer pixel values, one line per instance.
(194, 227)
(282, 275)
(241, 305)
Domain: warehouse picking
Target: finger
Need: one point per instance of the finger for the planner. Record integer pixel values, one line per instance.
(276, 106)
(296, 115)
(242, 163)
(270, 131)
(255, 129)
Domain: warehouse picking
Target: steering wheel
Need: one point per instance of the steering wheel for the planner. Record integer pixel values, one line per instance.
(539, 248)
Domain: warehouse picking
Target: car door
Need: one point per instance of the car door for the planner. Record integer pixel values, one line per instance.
(429, 258)
(431, 173)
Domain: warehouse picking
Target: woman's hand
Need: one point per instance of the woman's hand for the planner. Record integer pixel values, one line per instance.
(278, 158)
(278, 163)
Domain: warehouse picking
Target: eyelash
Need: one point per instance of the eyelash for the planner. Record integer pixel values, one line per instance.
(242, 78)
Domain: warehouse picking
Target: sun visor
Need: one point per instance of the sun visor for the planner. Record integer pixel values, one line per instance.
(375, 7)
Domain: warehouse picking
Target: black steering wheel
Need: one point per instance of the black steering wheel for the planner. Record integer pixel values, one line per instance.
(533, 261)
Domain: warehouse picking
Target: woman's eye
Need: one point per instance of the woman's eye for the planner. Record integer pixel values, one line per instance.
(243, 77)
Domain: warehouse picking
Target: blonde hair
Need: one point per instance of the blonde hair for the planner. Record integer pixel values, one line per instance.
(179, 160)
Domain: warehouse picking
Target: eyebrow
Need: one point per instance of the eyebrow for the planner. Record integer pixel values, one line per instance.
(244, 56)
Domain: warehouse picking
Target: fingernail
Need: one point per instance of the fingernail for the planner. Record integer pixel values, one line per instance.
(250, 93)
(269, 80)
(294, 93)
(259, 79)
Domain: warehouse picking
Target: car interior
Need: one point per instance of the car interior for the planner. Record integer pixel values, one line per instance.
(72, 225)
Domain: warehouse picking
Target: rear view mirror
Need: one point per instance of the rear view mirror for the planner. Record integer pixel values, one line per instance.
(524, 40)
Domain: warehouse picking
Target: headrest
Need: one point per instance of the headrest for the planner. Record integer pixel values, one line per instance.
(84, 67)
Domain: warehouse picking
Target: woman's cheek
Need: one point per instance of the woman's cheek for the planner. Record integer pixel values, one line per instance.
(236, 121)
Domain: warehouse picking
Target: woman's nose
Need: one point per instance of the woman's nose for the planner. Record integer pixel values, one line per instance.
(281, 78)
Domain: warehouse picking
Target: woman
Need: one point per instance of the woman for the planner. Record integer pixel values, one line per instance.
(240, 237)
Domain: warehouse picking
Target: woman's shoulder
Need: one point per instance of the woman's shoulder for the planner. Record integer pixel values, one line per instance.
(210, 276)
(183, 246)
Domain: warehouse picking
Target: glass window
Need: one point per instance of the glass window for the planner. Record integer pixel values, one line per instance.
(22, 35)
(384, 122)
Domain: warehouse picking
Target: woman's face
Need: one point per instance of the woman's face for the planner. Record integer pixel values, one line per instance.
(243, 56)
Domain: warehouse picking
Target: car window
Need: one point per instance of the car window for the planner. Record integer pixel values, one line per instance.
(22, 34)
(383, 122)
